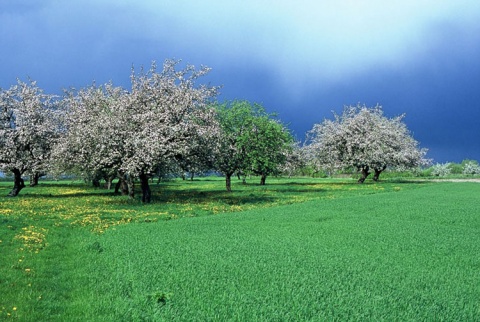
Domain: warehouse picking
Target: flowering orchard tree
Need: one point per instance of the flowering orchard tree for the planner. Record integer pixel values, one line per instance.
(365, 139)
(441, 169)
(29, 126)
(198, 157)
(294, 160)
(95, 131)
(314, 161)
(470, 167)
(163, 118)
(171, 117)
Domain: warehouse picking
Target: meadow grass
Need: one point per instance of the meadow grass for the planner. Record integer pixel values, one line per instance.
(296, 249)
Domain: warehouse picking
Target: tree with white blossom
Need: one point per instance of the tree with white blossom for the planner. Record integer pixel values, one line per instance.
(172, 115)
(471, 167)
(29, 126)
(365, 139)
(93, 143)
(441, 169)
(295, 160)
(199, 158)
(162, 118)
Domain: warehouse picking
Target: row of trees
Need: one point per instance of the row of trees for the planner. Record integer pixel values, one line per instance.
(167, 123)
(163, 123)
(467, 167)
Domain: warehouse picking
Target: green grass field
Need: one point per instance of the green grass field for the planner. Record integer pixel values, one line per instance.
(294, 250)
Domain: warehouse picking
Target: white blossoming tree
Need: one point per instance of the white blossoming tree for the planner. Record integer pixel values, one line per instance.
(471, 167)
(29, 125)
(441, 169)
(93, 143)
(163, 118)
(172, 117)
(295, 160)
(363, 138)
(198, 158)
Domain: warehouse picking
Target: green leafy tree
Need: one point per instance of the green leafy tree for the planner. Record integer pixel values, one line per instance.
(250, 141)
(267, 144)
(231, 154)
(455, 168)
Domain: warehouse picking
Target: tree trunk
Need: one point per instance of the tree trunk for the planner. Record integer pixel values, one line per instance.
(228, 182)
(96, 182)
(377, 172)
(192, 174)
(262, 179)
(365, 174)
(108, 181)
(34, 179)
(108, 184)
(146, 192)
(121, 186)
(18, 183)
(118, 185)
(131, 186)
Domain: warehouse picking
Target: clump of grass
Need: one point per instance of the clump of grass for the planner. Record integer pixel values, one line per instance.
(160, 297)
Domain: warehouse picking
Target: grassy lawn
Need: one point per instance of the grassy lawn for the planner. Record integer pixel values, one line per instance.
(294, 250)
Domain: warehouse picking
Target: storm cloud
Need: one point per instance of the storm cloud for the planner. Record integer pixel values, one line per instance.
(302, 59)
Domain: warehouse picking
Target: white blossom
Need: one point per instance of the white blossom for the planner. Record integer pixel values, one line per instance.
(471, 168)
(29, 126)
(163, 118)
(365, 139)
(441, 169)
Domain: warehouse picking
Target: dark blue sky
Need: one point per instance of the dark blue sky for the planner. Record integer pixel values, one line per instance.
(301, 58)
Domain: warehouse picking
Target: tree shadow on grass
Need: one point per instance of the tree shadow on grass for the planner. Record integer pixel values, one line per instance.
(161, 195)
(404, 181)
(300, 190)
(194, 195)
(106, 193)
(175, 192)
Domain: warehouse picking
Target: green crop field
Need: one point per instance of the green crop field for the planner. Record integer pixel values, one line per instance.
(294, 250)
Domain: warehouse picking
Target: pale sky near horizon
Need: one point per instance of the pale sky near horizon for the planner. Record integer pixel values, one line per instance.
(302, 59)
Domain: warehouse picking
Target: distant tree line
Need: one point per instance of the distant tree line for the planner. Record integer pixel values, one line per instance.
(466, 167)
(167, 123)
